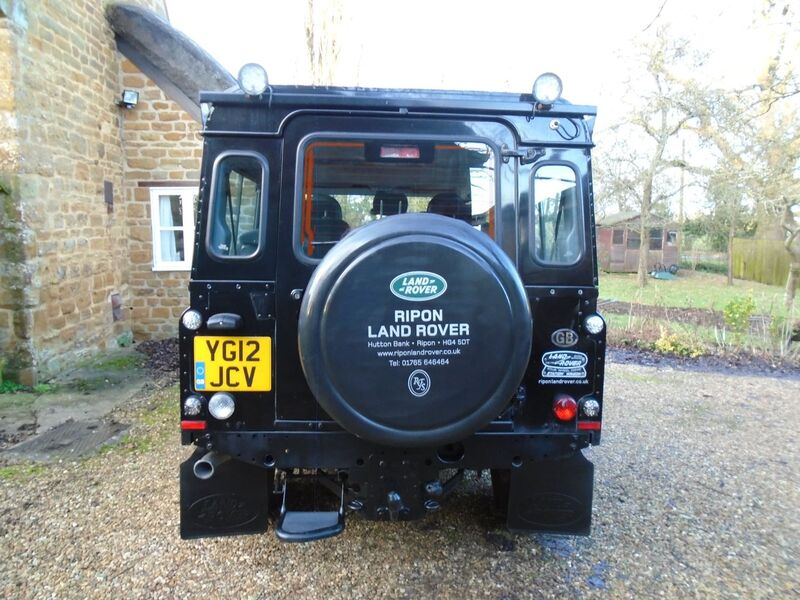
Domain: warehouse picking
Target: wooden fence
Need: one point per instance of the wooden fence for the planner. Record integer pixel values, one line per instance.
(760, 260)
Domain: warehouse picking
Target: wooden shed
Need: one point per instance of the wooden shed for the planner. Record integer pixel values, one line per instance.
(619, 243)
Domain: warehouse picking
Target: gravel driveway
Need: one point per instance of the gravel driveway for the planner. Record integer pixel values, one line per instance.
(697, 494)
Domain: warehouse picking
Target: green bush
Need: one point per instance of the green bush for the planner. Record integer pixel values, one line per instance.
(737, 313)
(707, 267)
(10, 387)
(679, 344)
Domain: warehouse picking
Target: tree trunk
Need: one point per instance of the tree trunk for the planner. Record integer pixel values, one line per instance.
(681, 214)
(644, 233)
(731, 234)
(730, 258)
(791, 284)
(792, 245)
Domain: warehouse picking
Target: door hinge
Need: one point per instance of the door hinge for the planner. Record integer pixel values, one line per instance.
(525, 155)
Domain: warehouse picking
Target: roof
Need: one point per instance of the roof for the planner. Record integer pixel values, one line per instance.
(630, 215)
(617, 218)
(267, 114)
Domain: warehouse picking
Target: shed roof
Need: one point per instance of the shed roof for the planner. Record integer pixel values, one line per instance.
(617, 218)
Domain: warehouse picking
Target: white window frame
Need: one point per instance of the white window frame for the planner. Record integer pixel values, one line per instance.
(187, 195)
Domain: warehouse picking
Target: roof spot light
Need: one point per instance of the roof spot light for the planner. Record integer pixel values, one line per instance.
(547, 89)
(253, 79)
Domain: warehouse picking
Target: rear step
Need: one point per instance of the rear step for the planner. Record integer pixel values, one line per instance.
(308, 526)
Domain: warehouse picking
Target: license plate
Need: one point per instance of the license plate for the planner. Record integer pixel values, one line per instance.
(232, 364)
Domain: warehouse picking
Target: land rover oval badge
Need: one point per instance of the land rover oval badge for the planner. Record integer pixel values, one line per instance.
(564, 338)
(418, 286)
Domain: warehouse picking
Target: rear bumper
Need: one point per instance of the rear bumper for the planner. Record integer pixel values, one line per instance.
(549, 481)
(342, 450)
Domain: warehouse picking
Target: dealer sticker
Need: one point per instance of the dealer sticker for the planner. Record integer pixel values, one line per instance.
(564, 364)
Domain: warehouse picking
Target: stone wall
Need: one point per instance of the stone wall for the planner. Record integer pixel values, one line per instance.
(162, 148)
(61, 77)
(14, 341)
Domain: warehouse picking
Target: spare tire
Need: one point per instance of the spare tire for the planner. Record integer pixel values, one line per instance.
(414, 331)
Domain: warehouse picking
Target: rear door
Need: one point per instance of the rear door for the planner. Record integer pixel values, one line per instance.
(233, 276)
(340, 172)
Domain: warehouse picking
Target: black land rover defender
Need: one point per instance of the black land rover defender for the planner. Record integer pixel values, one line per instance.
(390, 287)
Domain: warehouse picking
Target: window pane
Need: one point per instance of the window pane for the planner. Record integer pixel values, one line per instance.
(619, 236)
(172, 246)
(347, 183)
(236, 215)
(556, 215)
(170, 210)
(633, 239)
(656, 238)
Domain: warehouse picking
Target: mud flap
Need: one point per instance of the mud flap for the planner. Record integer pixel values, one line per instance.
(234, 501)
(552, 496)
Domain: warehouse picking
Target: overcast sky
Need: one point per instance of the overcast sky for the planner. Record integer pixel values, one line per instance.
(499, 45)
(486, 45)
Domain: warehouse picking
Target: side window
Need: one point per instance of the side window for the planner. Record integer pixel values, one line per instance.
(172, 218)
(656, 238)
(234, 228)
(619, 237)
(633, 239)
(557, 225)
(672, 238)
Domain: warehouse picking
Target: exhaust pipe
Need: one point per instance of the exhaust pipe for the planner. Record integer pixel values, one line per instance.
(206, 466)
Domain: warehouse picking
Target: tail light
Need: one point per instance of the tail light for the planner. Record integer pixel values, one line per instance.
(565, 408)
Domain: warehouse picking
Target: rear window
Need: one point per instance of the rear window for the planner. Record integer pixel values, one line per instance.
(236, 206)
(557, 222)
(347, 183)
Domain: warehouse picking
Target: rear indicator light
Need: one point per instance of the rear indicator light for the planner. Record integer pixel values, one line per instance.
(565, 408)
(409, 152)
(193, 424)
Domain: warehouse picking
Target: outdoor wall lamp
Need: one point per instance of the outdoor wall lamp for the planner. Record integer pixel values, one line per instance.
(129, 99)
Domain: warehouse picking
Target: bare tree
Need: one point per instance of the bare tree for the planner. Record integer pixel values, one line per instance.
(617, 175)
(658, 115)
(756, 131)
(323, 39)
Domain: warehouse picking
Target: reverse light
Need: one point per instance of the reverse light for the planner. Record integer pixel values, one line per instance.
(192, 319)
(594, 324)
(192, 406)
(221, 406)
(547, 88)
(253, 79)
(565, 408)
(590, 407)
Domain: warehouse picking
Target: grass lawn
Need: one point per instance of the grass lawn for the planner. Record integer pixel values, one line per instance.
(697, 291)
(692, 290)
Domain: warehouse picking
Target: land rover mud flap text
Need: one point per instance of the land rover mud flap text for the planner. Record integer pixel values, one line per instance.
(414, 331)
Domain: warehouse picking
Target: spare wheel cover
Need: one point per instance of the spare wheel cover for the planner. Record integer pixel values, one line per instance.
(414, 330)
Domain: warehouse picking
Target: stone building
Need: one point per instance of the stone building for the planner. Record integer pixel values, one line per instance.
(97, 199)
